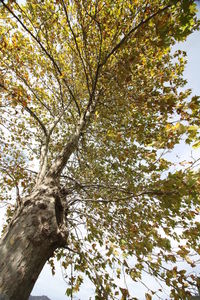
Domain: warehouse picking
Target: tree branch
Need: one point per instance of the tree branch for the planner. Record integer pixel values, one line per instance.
(34, 93)
(31, 113)
(126, 37)
(32, 35)
(37, 119)
(44, 50)
(62, 159)
(77, 47)
(43, 161)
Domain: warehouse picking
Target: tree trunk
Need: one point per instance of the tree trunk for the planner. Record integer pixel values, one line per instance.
(29, 241)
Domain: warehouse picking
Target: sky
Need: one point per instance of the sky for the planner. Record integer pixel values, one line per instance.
(54, 286)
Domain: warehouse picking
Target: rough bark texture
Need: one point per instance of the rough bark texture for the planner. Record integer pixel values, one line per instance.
(30, 240)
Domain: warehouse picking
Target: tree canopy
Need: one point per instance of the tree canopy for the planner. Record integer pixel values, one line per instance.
(92, 93)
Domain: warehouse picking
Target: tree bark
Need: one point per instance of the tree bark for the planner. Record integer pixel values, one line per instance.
(29, 241)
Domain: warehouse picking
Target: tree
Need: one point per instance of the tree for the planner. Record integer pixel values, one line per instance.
(90, 101)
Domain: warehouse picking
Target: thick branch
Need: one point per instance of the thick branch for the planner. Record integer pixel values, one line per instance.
(64, 156)
(44, 151)
(43, 161)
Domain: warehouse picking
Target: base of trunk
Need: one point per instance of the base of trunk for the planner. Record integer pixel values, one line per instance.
(31, 239)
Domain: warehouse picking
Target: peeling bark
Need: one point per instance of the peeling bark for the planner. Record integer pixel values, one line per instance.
(30, 240)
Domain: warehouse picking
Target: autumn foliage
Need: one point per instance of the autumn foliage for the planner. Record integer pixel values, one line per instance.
(92, 95)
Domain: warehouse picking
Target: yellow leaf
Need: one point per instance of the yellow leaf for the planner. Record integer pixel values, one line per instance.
(196, 145)
(189, 261)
